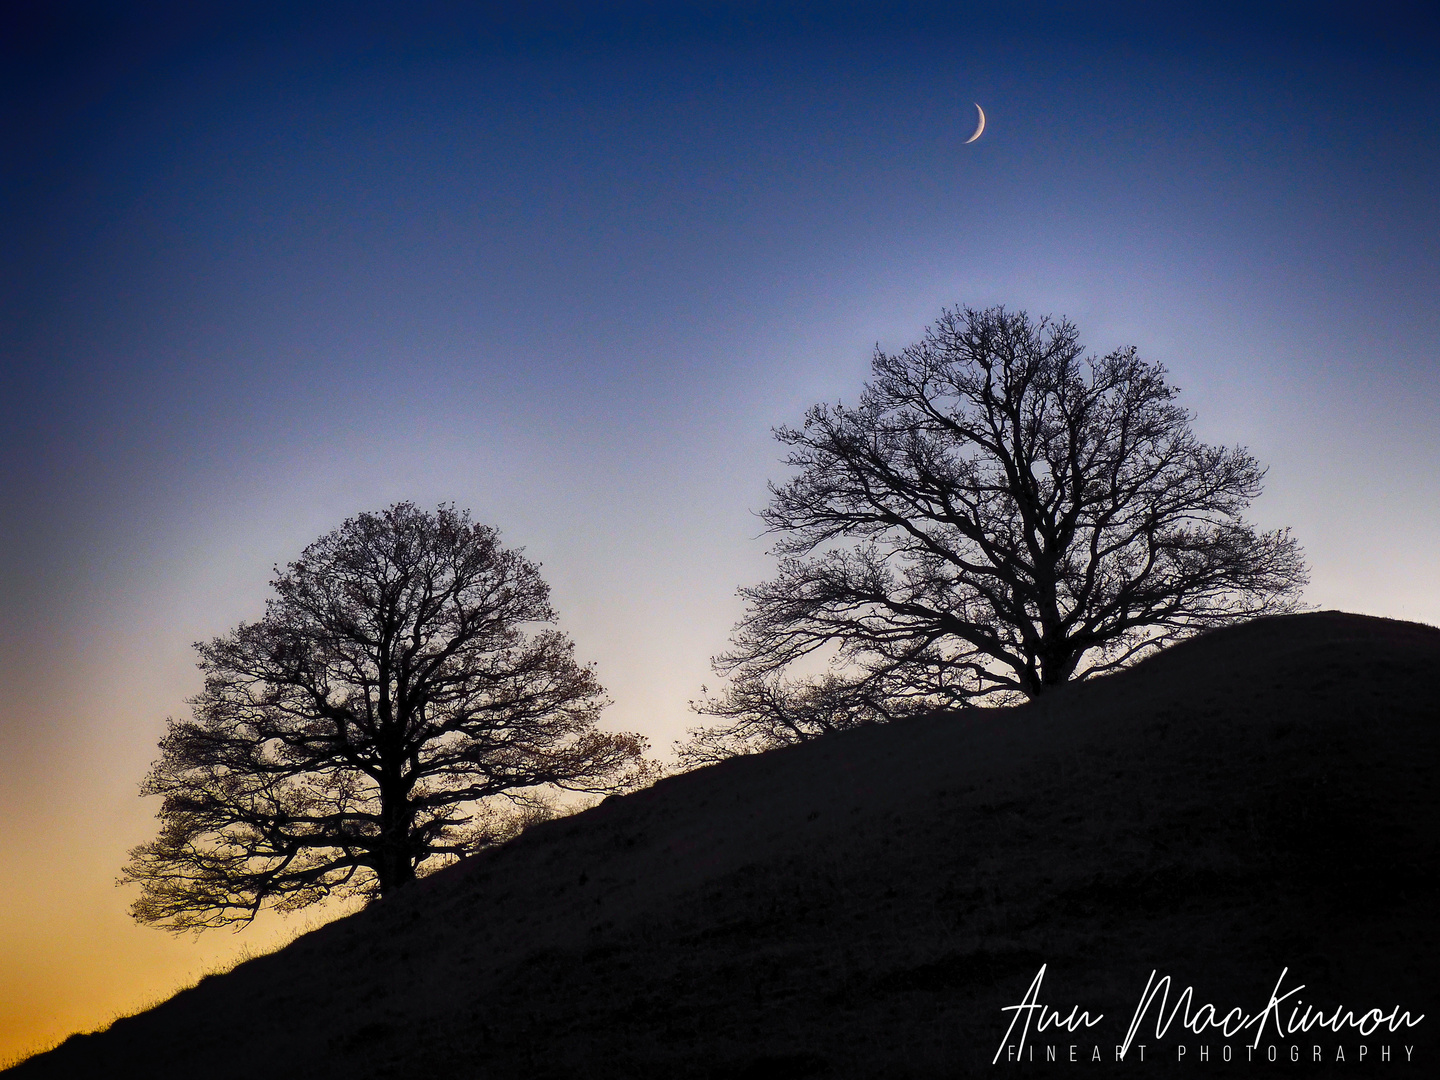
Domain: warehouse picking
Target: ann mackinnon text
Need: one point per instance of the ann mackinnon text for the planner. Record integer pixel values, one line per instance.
(1286, 1029)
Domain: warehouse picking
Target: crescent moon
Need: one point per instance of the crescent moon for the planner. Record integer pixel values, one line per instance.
(980, 128)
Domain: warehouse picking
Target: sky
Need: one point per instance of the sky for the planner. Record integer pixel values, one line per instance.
(567, 265)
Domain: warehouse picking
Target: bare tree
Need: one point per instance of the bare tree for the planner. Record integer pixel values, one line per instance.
(362, 731)
(999, 515)
(765, 713)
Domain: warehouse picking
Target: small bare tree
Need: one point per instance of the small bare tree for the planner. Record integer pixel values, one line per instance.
(999, 515)
(765, 713)
(362, 731)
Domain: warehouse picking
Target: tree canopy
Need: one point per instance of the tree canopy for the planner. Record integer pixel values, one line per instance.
(999, 514)
(401, 686)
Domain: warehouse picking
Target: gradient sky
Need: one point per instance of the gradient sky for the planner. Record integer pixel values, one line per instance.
(265, 270)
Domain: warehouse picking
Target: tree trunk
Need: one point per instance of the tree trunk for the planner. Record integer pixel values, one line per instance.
(395, 862)
(1054, 666)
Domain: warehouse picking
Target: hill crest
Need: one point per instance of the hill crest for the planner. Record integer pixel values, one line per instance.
(866, 904)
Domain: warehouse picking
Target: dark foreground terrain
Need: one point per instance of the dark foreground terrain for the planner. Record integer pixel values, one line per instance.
(864, 906)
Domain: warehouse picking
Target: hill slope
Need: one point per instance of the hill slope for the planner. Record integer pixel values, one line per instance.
(864, 905)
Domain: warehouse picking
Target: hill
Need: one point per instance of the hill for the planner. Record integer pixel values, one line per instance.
(1257, 799)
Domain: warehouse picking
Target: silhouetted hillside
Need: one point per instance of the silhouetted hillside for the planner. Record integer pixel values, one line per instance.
(863, 906)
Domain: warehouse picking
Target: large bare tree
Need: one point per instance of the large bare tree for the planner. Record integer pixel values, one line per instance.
(362, 731)
(1000, 514)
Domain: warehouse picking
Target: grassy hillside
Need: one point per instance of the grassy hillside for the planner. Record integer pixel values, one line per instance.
(1260, 798)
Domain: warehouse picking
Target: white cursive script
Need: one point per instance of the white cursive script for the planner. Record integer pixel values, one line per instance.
(1030, 1006)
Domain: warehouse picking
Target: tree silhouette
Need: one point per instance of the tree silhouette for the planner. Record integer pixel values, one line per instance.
(362, 732)
(999, 515)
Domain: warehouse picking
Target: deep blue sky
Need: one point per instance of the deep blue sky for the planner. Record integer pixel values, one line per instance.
(567, 268)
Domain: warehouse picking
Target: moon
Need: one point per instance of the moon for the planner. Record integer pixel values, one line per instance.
(980, 127)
